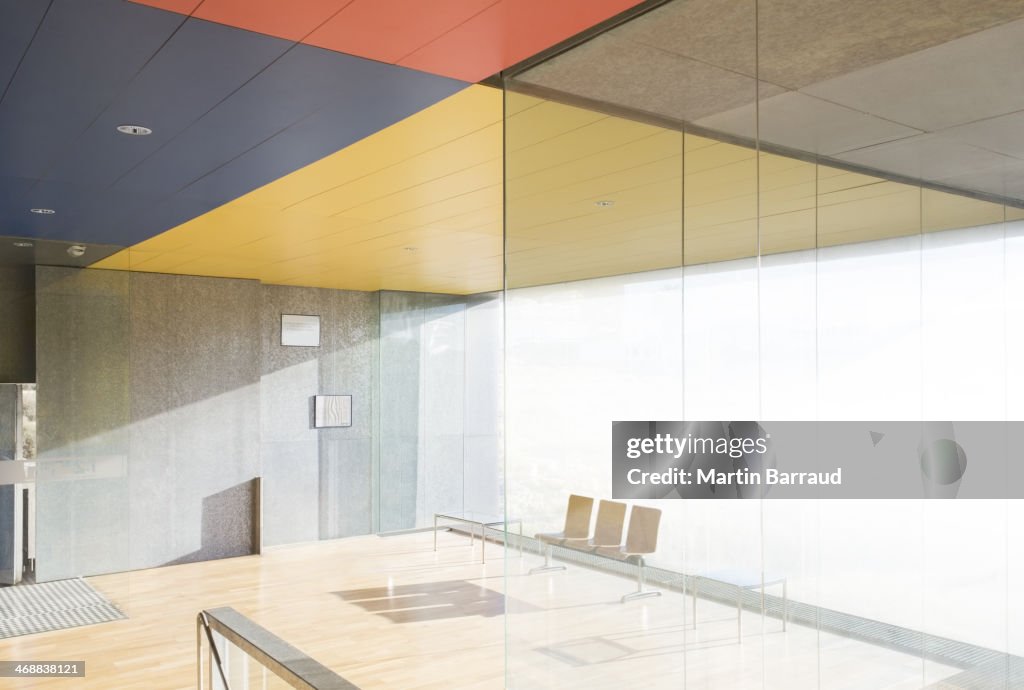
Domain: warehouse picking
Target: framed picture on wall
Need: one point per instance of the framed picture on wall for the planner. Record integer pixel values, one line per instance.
(332, 411)
(300, 330)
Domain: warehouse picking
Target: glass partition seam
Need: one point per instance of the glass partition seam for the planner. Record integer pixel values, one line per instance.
(375, 429)
(682, 369)
(817, 409)
(922, 416)
(1006, 416)
(504, 373)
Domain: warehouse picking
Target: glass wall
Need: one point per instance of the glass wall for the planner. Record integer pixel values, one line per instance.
(440, 374)
(749, 211)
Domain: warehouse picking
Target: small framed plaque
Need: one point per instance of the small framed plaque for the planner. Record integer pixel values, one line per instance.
(300, 330)
(332, 411)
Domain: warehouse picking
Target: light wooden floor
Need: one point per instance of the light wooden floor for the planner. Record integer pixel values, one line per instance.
(390, 613)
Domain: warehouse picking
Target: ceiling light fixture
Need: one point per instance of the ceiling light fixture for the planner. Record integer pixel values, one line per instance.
(134, 130)
(23, 244)
(76, 250)
(43, 211)
(409, 249)
(604, 203)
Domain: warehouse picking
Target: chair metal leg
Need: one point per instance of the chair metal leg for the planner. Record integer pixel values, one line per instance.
(547, 567)
(640, 592)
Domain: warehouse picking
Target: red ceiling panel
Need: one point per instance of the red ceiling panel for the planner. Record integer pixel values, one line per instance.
(465, 39)
(179, 6)
(399, 27)
(508, 32)
(291, 20)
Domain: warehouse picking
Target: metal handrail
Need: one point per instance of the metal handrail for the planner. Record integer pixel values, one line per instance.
(203, 625)
(280, 658)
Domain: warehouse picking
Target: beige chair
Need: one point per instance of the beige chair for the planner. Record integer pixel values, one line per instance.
(611, 517)
(577, 528)
(641, 540)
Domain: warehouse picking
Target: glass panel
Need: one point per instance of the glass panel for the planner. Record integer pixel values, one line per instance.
(593, 315)
(964, 341)
(613, 184)
(1014, 410)
(848, 215)
(439, 416)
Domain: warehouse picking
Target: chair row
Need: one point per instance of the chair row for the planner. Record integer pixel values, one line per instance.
(641, 537)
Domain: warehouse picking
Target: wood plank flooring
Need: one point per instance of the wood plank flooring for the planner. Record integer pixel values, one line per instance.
(389, 612)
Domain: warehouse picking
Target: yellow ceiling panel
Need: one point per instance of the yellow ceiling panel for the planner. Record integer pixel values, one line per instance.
(470, 110)
(480, 147)
(604, 134)
(941, 211)
(544, 121)
(420, 205)
(477, 199)
(788, 232)
(344, 221)
(657, 155)
(429, 192)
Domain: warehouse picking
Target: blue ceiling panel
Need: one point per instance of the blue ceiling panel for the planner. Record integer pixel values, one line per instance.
(18, 22)
(301, 83)
(15, 218)
(376, 96)
(199, 66)
(129, 228)
(83, 55)
(20, 195)
(230, 110)
(103, 214)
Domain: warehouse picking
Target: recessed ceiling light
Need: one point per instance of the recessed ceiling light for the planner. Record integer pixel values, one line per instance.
(76, 250)
(43, 211)
(134, 130)
(23, 244)
(409, 249)
(604, 203)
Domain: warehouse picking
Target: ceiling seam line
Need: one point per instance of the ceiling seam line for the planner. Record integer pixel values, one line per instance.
(226, 97)
(435, 148)
(392, 165)
(106, 108)
(450, 30)
(387, 167)
(24, 53)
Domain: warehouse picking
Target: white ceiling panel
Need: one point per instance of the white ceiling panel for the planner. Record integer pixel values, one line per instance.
(971, 78)
(805, 123)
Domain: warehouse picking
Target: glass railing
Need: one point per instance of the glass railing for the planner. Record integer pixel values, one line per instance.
(234, 653)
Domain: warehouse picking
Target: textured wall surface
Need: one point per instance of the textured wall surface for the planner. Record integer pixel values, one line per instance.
(195, 417)
(318, 483)
(8, 421)
(161, 397)
(17, 324)
(82, 408)
(148, 416)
